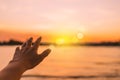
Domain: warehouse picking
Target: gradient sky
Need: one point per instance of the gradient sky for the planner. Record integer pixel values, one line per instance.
(97, 20)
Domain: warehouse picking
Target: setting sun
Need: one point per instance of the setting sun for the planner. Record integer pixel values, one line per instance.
(61, 41)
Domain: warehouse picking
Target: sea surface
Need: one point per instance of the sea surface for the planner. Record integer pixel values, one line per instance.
(71, 63)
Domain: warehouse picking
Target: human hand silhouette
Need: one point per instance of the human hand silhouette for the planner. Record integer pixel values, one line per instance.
(27, 56)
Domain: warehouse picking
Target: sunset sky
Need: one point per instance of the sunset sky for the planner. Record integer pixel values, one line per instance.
(95, 20)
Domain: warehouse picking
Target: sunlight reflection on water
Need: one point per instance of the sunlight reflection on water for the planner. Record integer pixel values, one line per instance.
(72, 61)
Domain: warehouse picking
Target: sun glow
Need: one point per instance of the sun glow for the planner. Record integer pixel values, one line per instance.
(60, 41)
(69, 39)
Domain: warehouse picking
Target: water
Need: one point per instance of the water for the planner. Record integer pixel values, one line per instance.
(72, 63)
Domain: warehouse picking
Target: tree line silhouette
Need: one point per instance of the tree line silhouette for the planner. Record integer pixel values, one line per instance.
(15, 42)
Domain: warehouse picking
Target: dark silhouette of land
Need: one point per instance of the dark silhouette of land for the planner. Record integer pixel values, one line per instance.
(11, 42)
(15, 42)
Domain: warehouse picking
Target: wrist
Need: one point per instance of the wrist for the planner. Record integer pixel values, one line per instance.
(17, 65)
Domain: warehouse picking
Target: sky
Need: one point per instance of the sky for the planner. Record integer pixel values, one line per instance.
(96, 20)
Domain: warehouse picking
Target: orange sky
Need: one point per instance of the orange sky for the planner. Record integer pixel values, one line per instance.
(97, 20)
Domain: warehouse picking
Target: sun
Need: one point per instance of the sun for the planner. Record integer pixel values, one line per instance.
(60, 41)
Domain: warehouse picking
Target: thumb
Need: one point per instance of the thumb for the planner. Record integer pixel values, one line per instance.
(44, 54)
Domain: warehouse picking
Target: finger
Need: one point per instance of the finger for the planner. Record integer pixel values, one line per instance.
(23, 45)
(17, 51)
(44, 54)
(36, 44)
(27, 43)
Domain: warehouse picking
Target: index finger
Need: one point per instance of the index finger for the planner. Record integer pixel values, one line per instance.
(37, 43)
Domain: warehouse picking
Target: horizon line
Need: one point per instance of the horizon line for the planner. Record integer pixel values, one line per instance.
(109, 43)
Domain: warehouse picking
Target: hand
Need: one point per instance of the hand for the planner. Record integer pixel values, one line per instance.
(27, 56)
